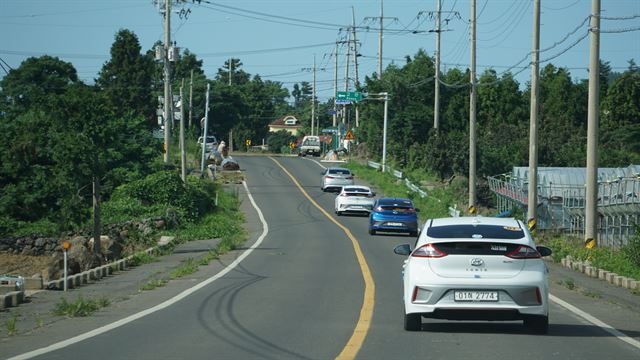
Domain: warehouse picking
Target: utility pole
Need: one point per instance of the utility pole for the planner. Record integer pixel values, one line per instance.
(472, 115)
(591, 201)
(384, 131)
(206, 128)
(313, 96)
(335, 88)
(380, 40)
(355, 61)
(532, 202)
(168, 99)
(230, 70)
(436, 105)
(183, 153)
(190, 99)
(346, 75)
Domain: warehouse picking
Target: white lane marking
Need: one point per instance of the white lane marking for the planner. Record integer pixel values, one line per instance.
(317, 162)
(173, 300)
(611, 330)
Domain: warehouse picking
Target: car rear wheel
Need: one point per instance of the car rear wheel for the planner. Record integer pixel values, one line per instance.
(372, 232)
(412, 322)
(339, 213)
(537, 324)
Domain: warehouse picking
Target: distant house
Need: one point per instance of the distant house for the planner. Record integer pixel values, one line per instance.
(288, 123)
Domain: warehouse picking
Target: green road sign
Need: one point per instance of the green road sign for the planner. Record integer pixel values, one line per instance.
(349, 96)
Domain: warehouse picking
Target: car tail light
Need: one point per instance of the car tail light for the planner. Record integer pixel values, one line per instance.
(428, 251)
(410, 210)
(370, 195)
(344, 194)
(538, 295)
(349, 177)
(328, 177)
(379, 209)
(524, 252)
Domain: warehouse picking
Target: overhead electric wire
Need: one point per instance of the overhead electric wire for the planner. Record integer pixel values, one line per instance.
(567, 36)
(562, 8)
(620, 30)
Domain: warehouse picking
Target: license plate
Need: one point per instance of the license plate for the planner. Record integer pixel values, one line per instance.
(475, 295)
(394, 224)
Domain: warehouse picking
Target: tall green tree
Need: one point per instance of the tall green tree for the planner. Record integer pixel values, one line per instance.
(127, 78)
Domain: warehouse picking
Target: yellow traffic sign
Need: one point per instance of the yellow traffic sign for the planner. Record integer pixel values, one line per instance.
(472, 210)
(349, 135)
(532, 225)
(590, 243)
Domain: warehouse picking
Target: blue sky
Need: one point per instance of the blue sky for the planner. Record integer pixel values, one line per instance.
(82, 31)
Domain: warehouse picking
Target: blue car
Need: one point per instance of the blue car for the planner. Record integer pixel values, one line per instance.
(394, 215)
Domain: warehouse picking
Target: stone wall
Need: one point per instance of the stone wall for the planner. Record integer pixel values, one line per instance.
(117, 236)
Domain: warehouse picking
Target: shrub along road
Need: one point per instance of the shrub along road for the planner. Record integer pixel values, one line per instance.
(299, 294)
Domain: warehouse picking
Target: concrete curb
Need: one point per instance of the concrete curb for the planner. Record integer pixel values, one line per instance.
(14, 298)
(591, 271)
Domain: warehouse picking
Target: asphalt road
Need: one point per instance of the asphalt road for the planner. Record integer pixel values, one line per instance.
(300, 294)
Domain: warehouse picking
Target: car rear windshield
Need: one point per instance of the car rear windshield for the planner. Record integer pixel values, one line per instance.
(476, 248)
(475, 232)
(398, 209)
(339, 172)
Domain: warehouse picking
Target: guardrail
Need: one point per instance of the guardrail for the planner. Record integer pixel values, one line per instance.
(398, 174)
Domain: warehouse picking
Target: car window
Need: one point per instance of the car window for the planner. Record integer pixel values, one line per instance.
(399, 209)
(339, 172)
(464, 231)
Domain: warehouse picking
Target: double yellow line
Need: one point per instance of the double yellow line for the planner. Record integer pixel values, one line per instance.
(356, 340)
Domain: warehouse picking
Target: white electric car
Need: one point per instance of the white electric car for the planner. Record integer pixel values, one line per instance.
(354, 199)
(475, 268)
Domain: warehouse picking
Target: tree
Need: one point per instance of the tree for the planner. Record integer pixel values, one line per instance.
(126, 78)
(233, 66)
(34, 83)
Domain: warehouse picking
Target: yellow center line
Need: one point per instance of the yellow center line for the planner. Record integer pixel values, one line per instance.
(354, 344)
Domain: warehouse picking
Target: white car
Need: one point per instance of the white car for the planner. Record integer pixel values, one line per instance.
(475, 268)
(334, 178)
(354, 199)
(211, 144)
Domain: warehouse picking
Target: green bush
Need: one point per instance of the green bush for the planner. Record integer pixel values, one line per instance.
(158, 194)
(12, 227)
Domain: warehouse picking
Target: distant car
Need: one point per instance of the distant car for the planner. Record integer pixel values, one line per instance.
(354, 199)
(334, 178)
(394, 215)
(475, 268)
(310, 145)
(211, 144)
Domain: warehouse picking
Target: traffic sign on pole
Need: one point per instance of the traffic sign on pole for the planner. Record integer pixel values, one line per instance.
(348, 96)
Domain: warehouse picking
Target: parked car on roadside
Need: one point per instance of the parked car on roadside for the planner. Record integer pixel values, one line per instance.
(211, 143)
(394, 215)
(475, 268)
(354, 199)
(334, 178)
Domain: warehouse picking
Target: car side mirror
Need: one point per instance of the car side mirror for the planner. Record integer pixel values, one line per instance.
(404, 249)
(544, 251)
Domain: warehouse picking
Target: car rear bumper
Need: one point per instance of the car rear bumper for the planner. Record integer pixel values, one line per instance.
(393, 226)
(513, 303)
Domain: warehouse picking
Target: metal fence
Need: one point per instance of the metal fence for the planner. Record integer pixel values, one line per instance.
(561, 200)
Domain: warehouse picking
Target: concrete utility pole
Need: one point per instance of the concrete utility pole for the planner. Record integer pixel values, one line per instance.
(591, 202)
(206, 129)
(436, 105)
(335, 88)
(472, 115)
(190, 99)
(230, 70)
(346, 75)
(532, 203)
(313, 96)
(355, 62)
(168, 100)
(380, 39)
(183, 153)
(384, 131)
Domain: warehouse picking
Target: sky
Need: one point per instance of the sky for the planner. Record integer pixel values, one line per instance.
(278, 39)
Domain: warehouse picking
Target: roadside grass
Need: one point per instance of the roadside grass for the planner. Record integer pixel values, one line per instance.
(141, 258)
(188, 266)
(617, 261)
(12, 324)
(156, 283)
(81, 307)
(435, 205)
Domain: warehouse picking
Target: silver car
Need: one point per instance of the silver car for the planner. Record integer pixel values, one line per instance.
(334, 178)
